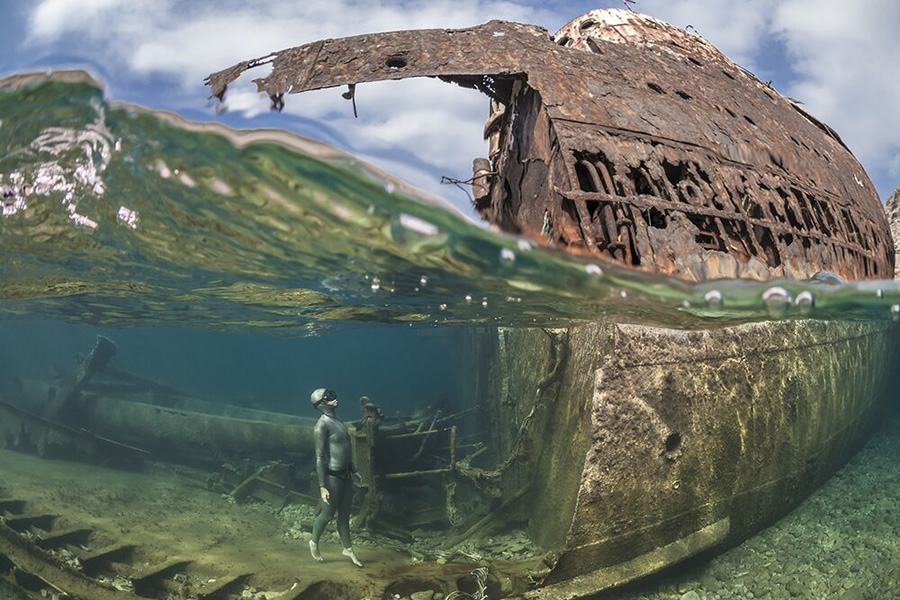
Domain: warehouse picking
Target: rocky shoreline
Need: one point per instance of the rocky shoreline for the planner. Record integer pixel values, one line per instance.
(842, 543)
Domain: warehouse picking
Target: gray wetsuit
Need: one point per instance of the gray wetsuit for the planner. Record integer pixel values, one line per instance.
(334, 468)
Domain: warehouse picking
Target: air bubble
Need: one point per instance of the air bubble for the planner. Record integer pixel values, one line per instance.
(468, 299)
(895, 312)
(685, 304)
(376, 284)
(524, 245)
(777, 300)
(805, 302)
(713, 299)
(593, 269)
(443, 307)
(423, 281)
(389, 187)
(484, 302)
(623, 294)
(418, 225)
(507, 255)
(880, 293)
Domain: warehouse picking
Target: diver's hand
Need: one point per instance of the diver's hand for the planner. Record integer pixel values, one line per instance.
(357, 480)
(325, 495)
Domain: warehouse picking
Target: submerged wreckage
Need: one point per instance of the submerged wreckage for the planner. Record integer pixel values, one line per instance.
(616, 449)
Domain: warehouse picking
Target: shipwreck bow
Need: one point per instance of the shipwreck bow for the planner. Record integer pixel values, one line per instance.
(628, 139)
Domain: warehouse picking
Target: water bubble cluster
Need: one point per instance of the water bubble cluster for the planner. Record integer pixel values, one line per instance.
(805, 302)
(713, 299)
(776, 299)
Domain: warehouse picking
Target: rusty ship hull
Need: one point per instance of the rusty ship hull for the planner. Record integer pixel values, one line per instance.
(626, 139)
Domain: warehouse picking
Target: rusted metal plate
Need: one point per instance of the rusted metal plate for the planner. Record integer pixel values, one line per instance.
(629, 139)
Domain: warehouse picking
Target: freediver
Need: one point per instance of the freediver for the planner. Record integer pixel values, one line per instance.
(335, 471)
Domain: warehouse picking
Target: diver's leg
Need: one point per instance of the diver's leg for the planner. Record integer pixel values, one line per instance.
(343, 512)
(326, 513)
(343, 521)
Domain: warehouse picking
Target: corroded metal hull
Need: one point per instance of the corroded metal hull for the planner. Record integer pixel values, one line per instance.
(652, 445)
(629, 139)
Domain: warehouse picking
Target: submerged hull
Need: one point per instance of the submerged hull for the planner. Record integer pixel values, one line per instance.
(653, 445)
(125, 427)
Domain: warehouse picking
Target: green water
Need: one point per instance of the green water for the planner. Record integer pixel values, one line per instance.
(117, 215)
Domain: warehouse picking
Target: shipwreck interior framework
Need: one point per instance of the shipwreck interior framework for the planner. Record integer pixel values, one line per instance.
(625, 138)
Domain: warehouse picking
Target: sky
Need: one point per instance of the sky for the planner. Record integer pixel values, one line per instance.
(838, 58)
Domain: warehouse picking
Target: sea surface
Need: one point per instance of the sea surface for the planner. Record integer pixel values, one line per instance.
(250, 267)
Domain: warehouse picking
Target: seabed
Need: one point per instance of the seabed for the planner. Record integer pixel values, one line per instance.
(842, 543)
(176, 539)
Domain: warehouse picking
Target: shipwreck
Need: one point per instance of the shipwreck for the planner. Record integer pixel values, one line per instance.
(625, 138)
(615, 449)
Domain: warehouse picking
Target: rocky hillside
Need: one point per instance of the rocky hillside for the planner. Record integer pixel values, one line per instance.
(892, 208)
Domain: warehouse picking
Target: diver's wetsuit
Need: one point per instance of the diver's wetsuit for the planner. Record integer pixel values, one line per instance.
(335, 470)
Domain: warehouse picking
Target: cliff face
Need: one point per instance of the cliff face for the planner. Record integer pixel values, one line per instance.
(892, 209)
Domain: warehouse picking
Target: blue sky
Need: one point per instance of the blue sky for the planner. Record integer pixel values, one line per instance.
(839, 58)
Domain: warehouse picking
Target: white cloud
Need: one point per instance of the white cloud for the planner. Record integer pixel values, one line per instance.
(845, 61)
(735, 28)
(53, 16)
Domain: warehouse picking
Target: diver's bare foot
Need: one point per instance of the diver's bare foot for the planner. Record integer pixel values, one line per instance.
(314, 550)
(348, 552)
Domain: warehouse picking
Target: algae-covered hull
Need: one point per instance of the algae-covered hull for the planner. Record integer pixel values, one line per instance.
(652, 445)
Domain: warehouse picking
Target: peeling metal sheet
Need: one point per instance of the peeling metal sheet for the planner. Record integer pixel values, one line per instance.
(628, 139)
